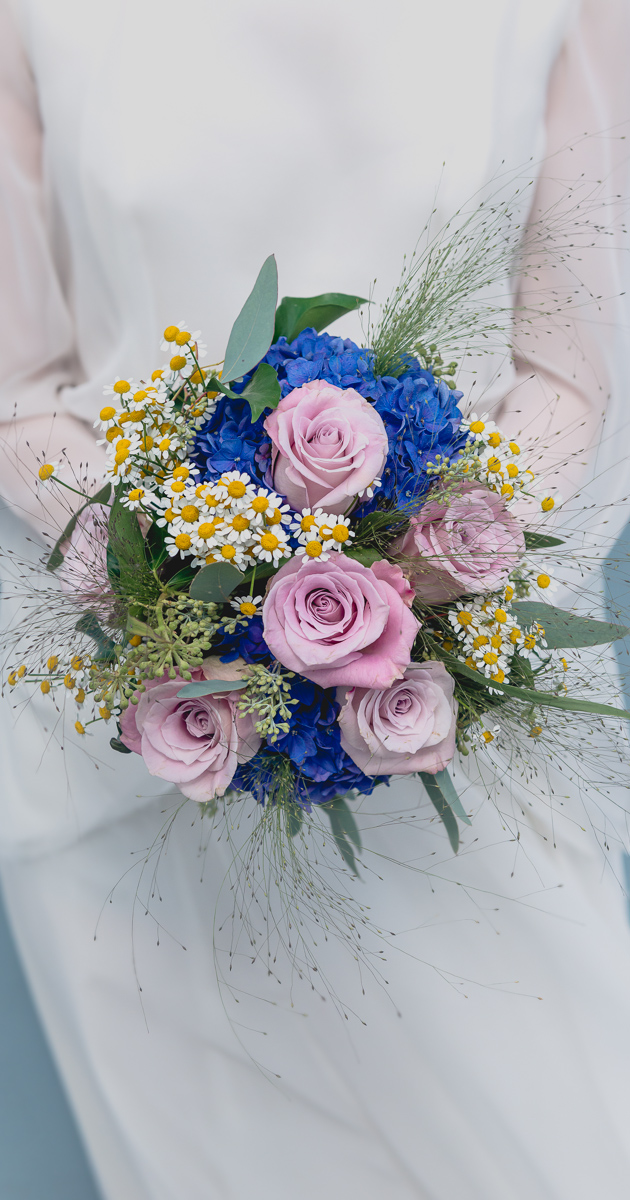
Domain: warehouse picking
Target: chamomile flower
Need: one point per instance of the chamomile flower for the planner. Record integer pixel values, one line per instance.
(139, 498)
(336, 533)
(269, 546)
(119, 388)
(234, 485)
(179, 543)
(247, 606)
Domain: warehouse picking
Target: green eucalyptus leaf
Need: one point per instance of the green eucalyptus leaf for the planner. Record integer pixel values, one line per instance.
(208, 687)
(296, 313)
(262, 391)
(215, 385)
(215, 583)
(529, 696)
(441, 792)
(252, 332)
(565, 630)
(55, 558)
(365, 555)
(105, 647)
(116, 744)
(540, 541)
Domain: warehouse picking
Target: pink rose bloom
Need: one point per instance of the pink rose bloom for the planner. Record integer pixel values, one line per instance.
(339, 622)
(84, 569)
(468, 543)
(329, 445)
(196, 743)
(407, 727)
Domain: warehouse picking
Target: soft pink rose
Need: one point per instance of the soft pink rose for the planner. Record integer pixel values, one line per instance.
(466, 543)
(328, 444)
(84, 569)
(407, 727)
(339, 622)
(196, 743)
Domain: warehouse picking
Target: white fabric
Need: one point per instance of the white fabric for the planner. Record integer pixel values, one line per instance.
(181, 145)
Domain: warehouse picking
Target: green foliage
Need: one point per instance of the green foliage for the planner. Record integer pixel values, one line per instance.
(442, 794)
(262, 391)
(364, 554)
(215, 583)
(56, 557)
(540, 541)
(210, 687)
(295, 313)
(529, 696)
(131, 575)
(566, 630)
(105, 647)
(344, 831)
(252, 332)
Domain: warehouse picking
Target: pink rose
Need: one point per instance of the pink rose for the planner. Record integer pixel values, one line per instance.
(84, 569)
(339, 622)
(196, 743)
(329, 445)
(465, 543)
(407, 727)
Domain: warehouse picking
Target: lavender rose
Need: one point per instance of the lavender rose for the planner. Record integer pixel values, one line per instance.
(404, 728)
(196, 743)
(340, 622)
(465, 543)
(329, 445)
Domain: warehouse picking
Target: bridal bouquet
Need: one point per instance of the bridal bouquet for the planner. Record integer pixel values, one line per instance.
(306, 573)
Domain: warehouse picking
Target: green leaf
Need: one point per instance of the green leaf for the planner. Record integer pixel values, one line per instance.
(565, 630)
(136, 581)
(252, 332)
(105, 647)
(365, 555)
(294, 818)
(344, 831)
(208, 687)
(56, 557)
(540, 541)
(529, 696)
(181, 579)
(134, 626)
(296, 313)
(215, 583)
(215, 385)
(262, 391)
(116, 744)
(440, 793)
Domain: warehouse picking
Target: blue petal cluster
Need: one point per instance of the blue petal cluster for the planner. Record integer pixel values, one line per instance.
(323, 770)
(246, 642)
(420, 414)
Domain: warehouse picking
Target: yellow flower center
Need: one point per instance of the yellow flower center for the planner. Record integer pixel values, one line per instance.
(177, 363)
(494, 464)
(53, 662)
(477, 427)
(46, 471)
(507, 490)
(496, 641)
(307, 523)
(108, 413)
(146, 443)
(274, 517)
(122, 386)
(236, 489)
(269, 541)
(169, 515)
(189, 513)
(206, 530)
(182, 541)
(535, 731)
(182, 338)
(121, 454)
(156, 375)
(509, 592)
(210, 558)
(45, 686)
(260, 504)
(490, 658)
(104, 713)
(178, 486)
(113, 433)
(170, 333)
(341, 533)
(464, 618)
(78, 726)
(313, 549)
(135, 640)
(69, 682)
(530, 641)
(181, 473)
(487, 736)
(494, 439)
(512, 470)
(325, 531)
(165, 444)
(240, 523)
(543, 581)
(228, 551)
(198, 376)
(136, 494)
(500, 615)
(515, 636)
(480, 641)
(498, 676)
(248, 609)
(515, 448)
(470, 662)
(138, 397)
(547, 504)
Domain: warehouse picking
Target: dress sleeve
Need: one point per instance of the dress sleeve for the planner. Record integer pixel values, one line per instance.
(37, 345)
(570, 373)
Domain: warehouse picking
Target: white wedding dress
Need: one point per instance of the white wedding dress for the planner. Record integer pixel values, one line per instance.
(153, 155)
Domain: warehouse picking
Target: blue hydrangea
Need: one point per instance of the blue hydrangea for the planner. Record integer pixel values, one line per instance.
(246, 642)
(323, 770)
(420, 414)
